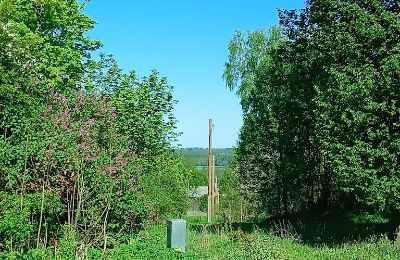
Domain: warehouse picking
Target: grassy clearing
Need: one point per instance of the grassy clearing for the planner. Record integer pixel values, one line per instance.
(228, 244)
(225, 243)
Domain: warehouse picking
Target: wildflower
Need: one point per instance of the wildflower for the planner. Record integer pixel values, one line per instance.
(83, 146)
(90, 158)
(111, 169)
(49, 108)
(178, 250)
(81, 98)
(56, 119)
(63, 99)
(91, 122)
(120, 160)
(64, 126)
(81, 131)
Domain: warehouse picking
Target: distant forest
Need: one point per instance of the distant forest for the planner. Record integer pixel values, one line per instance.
(223, 156)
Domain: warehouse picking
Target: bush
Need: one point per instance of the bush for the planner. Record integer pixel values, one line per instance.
(203, 203)
(165, 185)
(232, 206)
(19, 218)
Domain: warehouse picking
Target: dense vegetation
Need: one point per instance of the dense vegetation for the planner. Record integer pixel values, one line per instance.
(229, 243)
(85, 149)
(199, 156)
(320, 97)
(88, 169)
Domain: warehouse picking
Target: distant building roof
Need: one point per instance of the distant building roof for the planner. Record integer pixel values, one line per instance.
(197, 192)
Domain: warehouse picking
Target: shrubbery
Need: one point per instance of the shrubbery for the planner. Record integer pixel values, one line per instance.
(85, 149)
(232, 204)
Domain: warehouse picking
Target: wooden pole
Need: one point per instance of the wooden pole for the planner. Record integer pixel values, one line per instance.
(213, 190)
(216, 193)
(210, 188)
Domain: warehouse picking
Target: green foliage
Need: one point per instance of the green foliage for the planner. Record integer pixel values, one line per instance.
(203, 203)
(320, 108)
(362, 143)
(232, 206)
(225, 244)
(151, 127)
(247, 54)
(165, 184)
(198, 178)
(199, 156)
(15, 227)
(68, 243)
(149, 244)
(368, 218)
(85, 150)
(16, 212)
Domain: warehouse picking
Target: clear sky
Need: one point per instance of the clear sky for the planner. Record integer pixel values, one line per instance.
(186, 41)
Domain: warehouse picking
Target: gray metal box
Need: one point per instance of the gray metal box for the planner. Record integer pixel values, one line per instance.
(176, 234)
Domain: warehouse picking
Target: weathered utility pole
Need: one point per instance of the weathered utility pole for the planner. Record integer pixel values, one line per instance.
(216, 193)
(210, 172)
(214, 189)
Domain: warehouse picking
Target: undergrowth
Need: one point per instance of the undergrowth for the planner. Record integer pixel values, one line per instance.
(224, 243)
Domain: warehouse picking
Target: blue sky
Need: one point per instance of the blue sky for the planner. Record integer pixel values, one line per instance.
(186, 41)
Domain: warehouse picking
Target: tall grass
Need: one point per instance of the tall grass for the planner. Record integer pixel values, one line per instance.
(227, 243)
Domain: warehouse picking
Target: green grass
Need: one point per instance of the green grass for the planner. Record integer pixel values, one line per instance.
(228, 244)
(229, 241)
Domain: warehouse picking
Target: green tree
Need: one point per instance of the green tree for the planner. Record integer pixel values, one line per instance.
(320, 108)
(358, 80)
(43, 46)
(85, 149)
(144, 107)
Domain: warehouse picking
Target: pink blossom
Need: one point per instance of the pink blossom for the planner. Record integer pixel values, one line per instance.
(111, 169)
(66, 112)
(83, 146)
(120, 160)
(65, 126)
(63, 99)
(81, 131)
(56, 119)
(91, 122)
(81, 98)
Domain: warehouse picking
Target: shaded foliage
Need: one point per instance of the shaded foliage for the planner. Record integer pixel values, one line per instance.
(321, 111)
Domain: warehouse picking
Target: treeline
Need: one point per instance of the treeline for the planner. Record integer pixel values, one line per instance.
(199, 156)
(321, 107)
(85, 149)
